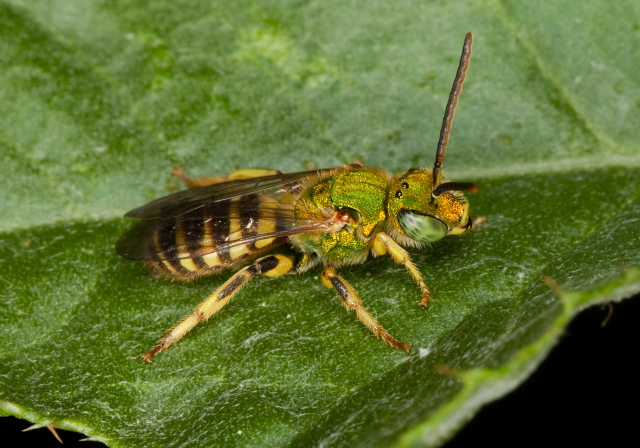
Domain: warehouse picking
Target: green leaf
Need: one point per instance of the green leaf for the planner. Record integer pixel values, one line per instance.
(102, 100)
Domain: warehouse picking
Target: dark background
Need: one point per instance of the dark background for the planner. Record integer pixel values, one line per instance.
(586, 392)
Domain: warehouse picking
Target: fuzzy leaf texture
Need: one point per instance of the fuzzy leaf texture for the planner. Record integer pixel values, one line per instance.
(101, 100)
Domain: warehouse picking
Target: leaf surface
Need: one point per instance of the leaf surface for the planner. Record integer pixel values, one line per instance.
(102, 100)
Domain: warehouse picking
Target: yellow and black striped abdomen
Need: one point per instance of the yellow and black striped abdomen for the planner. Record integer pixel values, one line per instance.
(213, 236)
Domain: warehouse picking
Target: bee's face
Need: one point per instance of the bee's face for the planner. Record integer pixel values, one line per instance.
(415, 212)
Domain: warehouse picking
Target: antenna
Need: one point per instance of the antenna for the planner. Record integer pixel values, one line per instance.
(447, 121)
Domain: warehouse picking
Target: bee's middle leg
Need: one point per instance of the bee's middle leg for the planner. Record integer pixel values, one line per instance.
(352, 301)
(271, 266)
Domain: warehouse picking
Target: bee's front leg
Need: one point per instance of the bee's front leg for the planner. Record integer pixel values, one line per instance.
(383, 243)
(478, 222)
(352, 301)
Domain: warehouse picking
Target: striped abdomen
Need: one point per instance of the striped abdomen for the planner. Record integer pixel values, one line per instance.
(214, 236)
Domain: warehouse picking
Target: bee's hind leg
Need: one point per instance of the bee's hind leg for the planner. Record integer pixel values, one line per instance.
(236, 175)
(271, 266)
(352, 301)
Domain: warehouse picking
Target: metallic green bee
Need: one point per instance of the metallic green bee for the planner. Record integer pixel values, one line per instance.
(335, 216)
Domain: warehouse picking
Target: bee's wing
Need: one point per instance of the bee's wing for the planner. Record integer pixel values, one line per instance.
(196, 222)
(182, 202)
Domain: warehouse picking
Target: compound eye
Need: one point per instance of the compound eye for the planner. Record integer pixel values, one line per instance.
(422, 228)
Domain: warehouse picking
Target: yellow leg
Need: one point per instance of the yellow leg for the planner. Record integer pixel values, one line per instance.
(352, 301)
(271, 266)
(383, 243)
(236, 175)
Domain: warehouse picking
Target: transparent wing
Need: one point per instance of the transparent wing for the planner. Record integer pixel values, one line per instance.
(219, 217)
(183, 202)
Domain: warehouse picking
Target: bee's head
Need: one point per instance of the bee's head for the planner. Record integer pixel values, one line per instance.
(422, 206)
(426, 214)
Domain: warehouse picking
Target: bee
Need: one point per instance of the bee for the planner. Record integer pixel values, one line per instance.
(334, 217)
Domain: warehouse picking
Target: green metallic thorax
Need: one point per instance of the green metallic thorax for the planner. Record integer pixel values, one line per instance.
(361, 192)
